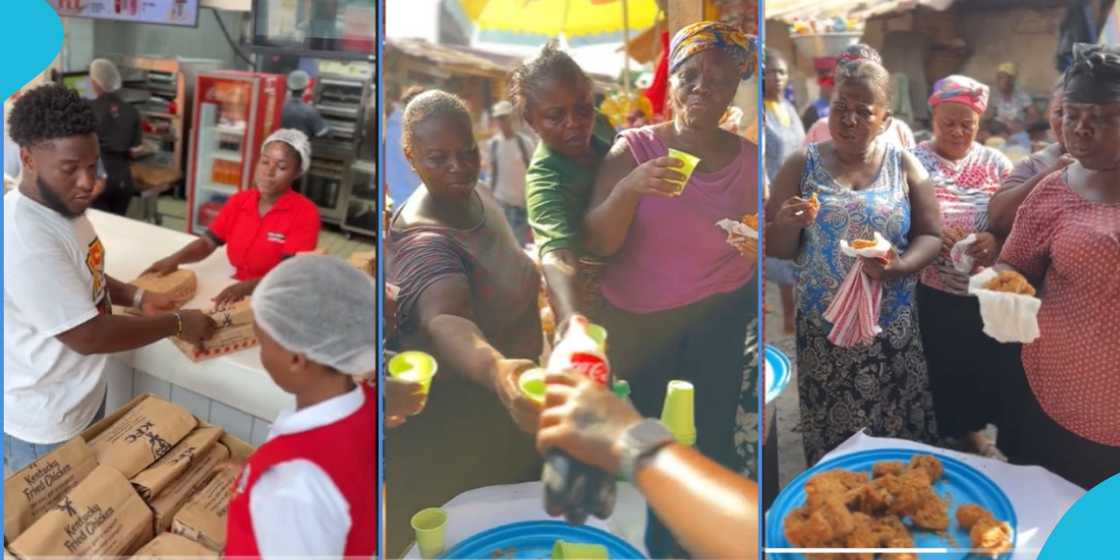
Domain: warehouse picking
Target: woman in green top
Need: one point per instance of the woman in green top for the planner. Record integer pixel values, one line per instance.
(557, 100)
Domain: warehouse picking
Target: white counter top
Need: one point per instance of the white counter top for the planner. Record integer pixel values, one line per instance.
(237, 379)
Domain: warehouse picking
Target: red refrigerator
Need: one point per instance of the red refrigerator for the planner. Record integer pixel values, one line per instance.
(233, 113)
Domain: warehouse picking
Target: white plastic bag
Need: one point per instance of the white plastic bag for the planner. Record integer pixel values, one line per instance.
(1007, 317)
(854, 312)
(962, 261)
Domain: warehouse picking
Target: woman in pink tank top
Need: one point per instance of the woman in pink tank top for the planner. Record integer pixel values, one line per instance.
(678, 297)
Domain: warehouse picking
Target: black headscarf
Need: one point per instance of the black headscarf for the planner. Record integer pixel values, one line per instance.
(1094, 75)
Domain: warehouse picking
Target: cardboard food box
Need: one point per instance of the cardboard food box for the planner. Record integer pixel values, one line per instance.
(181, 284)
(141, 436)
(235, 333)
(38, 487)
(102, 516)
(151, 481)
(170, 545)
(203, 518)
(168, 502)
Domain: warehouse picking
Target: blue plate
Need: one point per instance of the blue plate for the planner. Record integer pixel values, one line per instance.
(962, 483)
(534, 539)
(777, 372)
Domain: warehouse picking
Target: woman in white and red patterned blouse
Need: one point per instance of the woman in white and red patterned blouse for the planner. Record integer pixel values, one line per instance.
(963, 361)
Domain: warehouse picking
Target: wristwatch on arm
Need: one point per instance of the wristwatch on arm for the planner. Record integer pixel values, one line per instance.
(639, 443)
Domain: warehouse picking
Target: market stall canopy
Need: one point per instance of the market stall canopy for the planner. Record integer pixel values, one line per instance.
(790, 10)
(447, 59)
(535, 22)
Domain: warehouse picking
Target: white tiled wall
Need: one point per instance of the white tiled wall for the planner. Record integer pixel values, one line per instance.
(246, 427)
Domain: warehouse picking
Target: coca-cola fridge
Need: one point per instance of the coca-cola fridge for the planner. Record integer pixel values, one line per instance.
(233, 113)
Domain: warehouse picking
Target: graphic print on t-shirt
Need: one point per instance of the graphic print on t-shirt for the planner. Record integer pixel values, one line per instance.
(95, 261)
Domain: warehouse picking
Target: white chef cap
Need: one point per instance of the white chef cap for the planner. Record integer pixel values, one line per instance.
(320, 307)
(297, 140)
(105, 73)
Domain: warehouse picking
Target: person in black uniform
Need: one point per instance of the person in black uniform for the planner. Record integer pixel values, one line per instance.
(118, 131)
(299, 115)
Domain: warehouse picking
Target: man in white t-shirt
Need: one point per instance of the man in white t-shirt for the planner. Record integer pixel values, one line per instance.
(59, 327)
(509, 153)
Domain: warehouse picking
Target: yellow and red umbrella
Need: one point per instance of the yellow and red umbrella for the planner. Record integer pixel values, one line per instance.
(534, 22)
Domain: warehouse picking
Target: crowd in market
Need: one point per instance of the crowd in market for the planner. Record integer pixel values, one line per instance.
(932, 374)
(313, 315)
(615, 240)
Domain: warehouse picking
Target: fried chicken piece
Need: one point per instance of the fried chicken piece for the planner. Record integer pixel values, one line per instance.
(836, 513)
(831, 483)
(1011, 282)
(858, 244)
(869, 499)
(969, 514)
(991, 536)
(861, 537)
(928, 463)
(815, 202)
(806, 529)
(932, 514)
(905, 491)
(751, 221)
(883, 468)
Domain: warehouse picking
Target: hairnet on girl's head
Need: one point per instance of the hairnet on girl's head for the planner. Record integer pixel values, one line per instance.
(297, 140)
(320, 307)
(105, 73)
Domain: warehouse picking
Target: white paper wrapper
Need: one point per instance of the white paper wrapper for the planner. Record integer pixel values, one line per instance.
(740, 236)
(1007, 317)
(882, 248)
(962, 262)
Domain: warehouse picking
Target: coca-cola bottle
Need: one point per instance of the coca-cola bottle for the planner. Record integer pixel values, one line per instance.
(570, 487)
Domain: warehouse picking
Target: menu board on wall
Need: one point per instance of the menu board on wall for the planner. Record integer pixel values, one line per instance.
(164, 12)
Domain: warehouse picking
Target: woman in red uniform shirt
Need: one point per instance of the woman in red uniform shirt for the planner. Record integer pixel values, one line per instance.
(262, 226)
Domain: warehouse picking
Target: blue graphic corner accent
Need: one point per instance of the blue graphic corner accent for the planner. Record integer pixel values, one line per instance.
(1085, 530)
(33, 29)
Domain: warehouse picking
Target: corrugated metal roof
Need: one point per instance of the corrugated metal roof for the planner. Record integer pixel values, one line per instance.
(445, 56)
(789, 10)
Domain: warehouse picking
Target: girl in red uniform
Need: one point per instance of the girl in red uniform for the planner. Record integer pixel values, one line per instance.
(309, 490)
(262, 226)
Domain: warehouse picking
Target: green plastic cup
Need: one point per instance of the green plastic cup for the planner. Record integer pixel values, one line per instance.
(688, 165)
(599, 335)
(532, 384)
(678, 413)
(578, 551)
(430, 525)
(417, 367)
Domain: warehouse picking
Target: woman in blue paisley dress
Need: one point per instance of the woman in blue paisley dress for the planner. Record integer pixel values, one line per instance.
(863, 187)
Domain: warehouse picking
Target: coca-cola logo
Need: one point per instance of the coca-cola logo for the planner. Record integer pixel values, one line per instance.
(591, 366)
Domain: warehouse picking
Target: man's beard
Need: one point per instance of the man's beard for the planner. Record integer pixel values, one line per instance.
(53, 201)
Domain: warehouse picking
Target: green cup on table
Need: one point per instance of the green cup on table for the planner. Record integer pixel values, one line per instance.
(688, 165)
(563, 550)
(415, 367)
(430, 526)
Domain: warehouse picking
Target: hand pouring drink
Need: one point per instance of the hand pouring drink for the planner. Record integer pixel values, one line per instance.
(571, 487)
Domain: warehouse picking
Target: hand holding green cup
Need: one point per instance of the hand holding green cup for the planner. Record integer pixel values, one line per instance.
(688, 165)
(413, 366)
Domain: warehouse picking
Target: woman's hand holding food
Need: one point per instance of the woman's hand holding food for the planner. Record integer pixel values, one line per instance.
(884, 268)
(235, 293)
(985, 250)
(796, 212)
(163, 267)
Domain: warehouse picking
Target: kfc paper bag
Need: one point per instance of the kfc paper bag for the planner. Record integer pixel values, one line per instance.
(170, 545)
(36, 488)
(142, 436)
(1007, 317)
(168, 502)
(203, 518)
(151, 481)
(102, 516)
(180, 285)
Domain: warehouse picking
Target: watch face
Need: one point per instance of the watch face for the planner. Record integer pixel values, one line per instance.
(650, 432)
